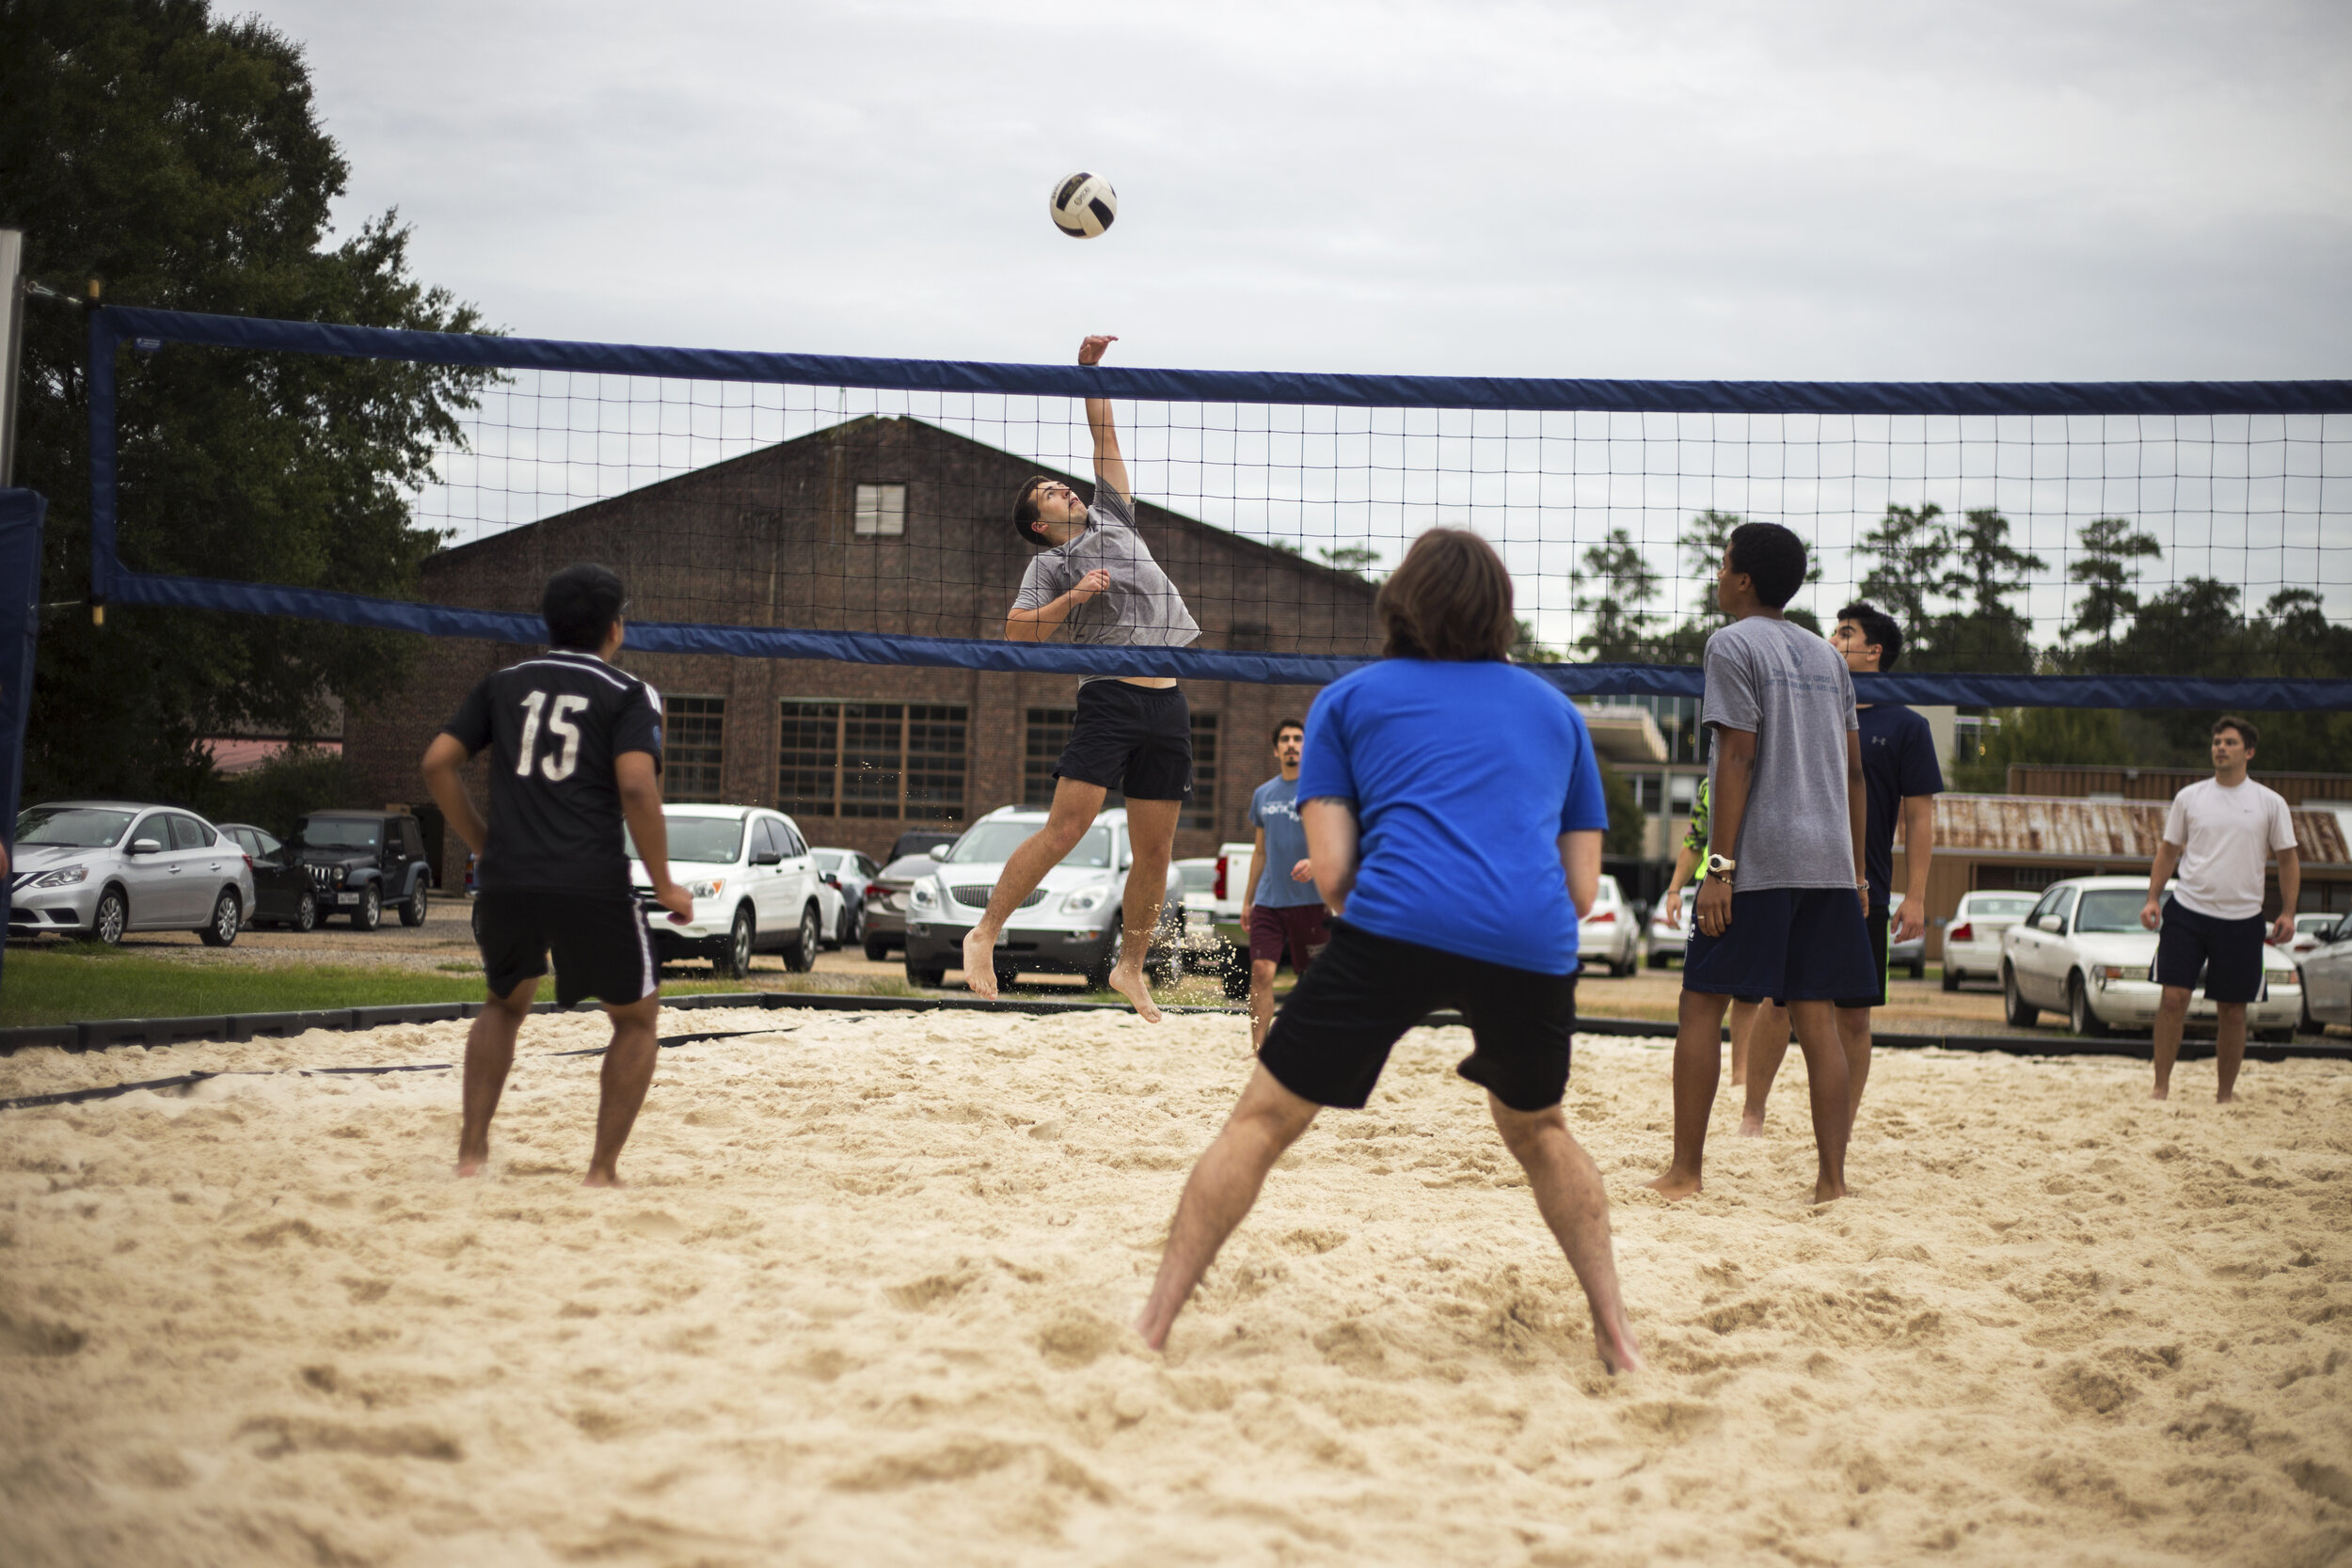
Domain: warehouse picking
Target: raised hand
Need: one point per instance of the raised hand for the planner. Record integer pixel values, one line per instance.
(1096, 581)
(1091, 352)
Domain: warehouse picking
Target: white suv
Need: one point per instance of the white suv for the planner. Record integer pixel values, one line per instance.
(1609, 934)
(2083, 952)
(755, 888)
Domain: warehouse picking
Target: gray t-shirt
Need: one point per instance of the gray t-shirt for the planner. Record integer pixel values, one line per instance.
(1791, 690)
(1142, 608)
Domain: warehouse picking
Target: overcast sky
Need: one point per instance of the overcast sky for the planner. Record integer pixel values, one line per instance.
(2061, 189)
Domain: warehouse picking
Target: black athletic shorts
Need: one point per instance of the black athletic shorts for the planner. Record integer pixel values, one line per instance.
(601, 946)
(2228, 954)
(1879, 922)
(1334, 1033)
(1136, 739)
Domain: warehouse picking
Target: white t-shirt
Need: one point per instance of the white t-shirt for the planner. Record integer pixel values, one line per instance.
(2226, 838)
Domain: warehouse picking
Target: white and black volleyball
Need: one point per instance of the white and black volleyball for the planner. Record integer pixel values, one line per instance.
(1083, 205)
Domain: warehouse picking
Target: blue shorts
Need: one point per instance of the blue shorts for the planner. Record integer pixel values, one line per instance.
(2227, 954)
(1790, 943)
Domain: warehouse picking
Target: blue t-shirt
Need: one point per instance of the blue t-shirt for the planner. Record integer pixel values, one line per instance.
(1463, 776)
(1274, 808)
(1898, 759)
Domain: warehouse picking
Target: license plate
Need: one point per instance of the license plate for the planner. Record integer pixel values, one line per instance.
(346, 899)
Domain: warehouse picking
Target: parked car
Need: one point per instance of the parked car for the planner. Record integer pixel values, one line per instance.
(362, 861)
(755, 883)
(886, 895)
(1070, 925)
(1224, 939)
(2082, 951)
(282, 891)
(98, 868)
(2310, 932)
(1972, 942)
(1609, 934)
(2327, 972)
(1912, 955)
(1667, 939)
(849, 873)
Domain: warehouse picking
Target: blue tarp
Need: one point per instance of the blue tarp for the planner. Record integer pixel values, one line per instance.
(856, 647)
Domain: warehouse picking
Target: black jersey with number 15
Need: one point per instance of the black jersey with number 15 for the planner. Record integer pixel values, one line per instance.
(553, 725)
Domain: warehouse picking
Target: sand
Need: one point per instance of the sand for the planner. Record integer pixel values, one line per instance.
(865, 1304)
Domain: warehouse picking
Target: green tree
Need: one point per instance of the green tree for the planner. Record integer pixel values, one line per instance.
(1525, 649)
(1621, 618)
(179, 159)
(1358, 559)
(1912, 549)
(1987, 634)
(1626, 817)
(1701, 547)
(2108, 547)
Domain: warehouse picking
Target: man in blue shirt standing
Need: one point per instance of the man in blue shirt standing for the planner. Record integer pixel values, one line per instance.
(1900, 772)
(1402, 774)
(1279, 906)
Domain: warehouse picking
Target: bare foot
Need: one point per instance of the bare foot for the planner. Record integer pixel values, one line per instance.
(979, 963)
(1674, 1184)
(2224, 1096)
(1618, 1350)
(602, 1179)
(1751, 1126)
(1129, 983)
(2161, 1093)
(472, 1167)
(1828, 1191)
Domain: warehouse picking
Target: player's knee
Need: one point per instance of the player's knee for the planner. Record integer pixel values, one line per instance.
(1528, 1133)
(1262, 972)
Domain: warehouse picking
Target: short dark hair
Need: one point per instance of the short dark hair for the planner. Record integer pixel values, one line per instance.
(1772, 558)
(2246, 732)
(1025, 512)
(1450, 599)
(1275, 738)
(1879, 628)
(580, 605)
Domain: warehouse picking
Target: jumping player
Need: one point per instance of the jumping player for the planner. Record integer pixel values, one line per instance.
(574, 749)
(2219, 833)
(1900, 772)
(1780, 916)
(1093, 574)
(1279, 906)
(1403, 773)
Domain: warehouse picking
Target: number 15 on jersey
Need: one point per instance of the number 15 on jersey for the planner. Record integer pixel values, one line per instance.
(557, 765)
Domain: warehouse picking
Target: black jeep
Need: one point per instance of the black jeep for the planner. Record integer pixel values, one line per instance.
(360, 861)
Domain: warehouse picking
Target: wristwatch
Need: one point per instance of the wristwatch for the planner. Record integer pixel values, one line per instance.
(1721, 865)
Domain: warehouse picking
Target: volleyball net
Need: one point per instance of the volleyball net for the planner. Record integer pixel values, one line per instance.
(2042, 544)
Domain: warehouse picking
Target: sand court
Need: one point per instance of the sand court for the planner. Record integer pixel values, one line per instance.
(866, 1301)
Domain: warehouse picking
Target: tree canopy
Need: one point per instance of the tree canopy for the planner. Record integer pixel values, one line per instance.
(179, 160)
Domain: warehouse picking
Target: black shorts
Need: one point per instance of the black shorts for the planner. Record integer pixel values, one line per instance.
(1136, 739)
(2227, 954)
(1333, 1035)
(1802, 944)
(601, 946)
(1879, 922)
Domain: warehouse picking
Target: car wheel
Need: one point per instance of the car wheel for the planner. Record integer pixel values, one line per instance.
(856, 932)
(1097, 975)
(802, 955)
(412, 911)
(305, 915)
(2274, 1037)
(930, 978)
(221, 930)
(111, 917)
(2079, 1016)
(2021, 1013)
(733, 961)
(841, 937)
(877, 950)
(1163, 965)
(1919, 969)
(1951, 979)
(2306, 1025)
(370, 914)
(1658, 960)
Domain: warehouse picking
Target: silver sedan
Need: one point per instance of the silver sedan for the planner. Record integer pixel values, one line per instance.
(99, 868)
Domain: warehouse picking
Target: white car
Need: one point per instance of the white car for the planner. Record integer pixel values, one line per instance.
(2082, 951)
(2327, 977)
(1668, 938)
(1609, 934)
(2310, 932)
(1972, 941)
(755, 888)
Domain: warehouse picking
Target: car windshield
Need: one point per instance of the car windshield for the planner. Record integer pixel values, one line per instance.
(328, 832)
(71, 827)
(919, 841)
(992, 844)
(704, 840)
(2115, 910)
(2001, 909)
(2315, 923)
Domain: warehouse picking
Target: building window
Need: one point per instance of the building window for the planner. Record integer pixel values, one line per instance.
(1200, 811)
(881, 509)
(890, 760)
(1649, 793)
(694, 743)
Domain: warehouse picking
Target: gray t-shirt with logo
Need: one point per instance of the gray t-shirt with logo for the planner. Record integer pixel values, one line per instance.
(1142, 608)
(1791, 690)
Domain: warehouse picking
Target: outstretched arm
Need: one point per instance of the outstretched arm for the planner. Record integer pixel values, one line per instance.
(1110, 467)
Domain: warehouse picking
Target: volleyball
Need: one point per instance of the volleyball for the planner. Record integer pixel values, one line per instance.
(1083, 205)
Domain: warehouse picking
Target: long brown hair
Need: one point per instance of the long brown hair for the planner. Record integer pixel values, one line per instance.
(1451, 599)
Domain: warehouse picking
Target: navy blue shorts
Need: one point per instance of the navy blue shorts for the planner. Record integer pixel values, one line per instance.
(2228, 953)
(1790, 943)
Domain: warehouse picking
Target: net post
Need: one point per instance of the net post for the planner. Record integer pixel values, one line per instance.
(102, 453)
(11, 337)
(21, 514)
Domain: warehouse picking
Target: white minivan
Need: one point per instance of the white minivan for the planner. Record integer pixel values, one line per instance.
(756, 889)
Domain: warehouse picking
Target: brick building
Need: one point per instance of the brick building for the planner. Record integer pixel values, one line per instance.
(886, 525)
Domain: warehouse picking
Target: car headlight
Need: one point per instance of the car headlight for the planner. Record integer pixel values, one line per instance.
(923, 898)
(711, 889)
(1086, 898)
(64, 876)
